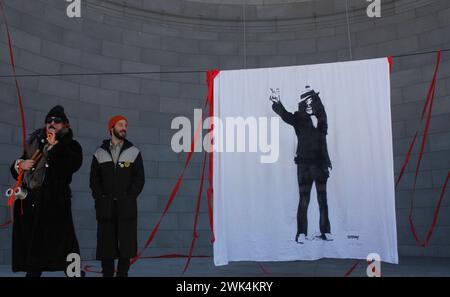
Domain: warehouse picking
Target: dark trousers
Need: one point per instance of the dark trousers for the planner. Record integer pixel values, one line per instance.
(307, 174)
(122, 267)
(123, 264)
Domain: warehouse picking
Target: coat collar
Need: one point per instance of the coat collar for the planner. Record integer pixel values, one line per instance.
(106, 144)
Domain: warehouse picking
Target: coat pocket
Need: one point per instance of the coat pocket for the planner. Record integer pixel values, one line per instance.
(103, 208)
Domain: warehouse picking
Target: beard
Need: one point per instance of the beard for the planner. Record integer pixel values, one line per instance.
(54, 129)
(51, 127)
(120, 134)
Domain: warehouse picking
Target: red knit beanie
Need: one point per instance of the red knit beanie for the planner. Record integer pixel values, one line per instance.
(114, 120)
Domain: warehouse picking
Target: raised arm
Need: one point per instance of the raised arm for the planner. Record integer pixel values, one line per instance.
(286, 116)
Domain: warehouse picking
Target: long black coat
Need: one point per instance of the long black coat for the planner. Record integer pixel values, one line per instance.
(115, 188)
(43, 230)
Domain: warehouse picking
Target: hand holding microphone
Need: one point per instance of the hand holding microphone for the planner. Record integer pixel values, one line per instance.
(51, 137)
(27, 165)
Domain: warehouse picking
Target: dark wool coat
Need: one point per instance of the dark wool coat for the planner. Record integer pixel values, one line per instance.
(43, 231)
(115, 188)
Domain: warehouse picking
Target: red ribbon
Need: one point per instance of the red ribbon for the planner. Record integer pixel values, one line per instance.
(438, 206)
(408, 156)
(22, 115)
(197, 212)
(209, 100)
(172, 195)
(430, 98)
(264, 270)
(210, 76)
(428, 106)
(169, 202)
(350, 271)
(390, 63)
(431, 93)
(89, 268)
(5, 223)
(13, 67)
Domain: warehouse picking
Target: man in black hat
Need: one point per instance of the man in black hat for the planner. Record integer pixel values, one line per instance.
(312, 159)
(43, 231)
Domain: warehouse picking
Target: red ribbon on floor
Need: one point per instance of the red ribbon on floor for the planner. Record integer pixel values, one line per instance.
(5, 223)
(264, 270)
(350, 271)
(171, 256)
(22, 114)
(89, 268)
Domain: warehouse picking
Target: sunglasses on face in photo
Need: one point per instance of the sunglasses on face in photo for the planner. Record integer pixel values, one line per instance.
(56, 120)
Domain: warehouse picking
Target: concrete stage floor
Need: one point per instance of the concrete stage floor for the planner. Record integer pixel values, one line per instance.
(204, 267)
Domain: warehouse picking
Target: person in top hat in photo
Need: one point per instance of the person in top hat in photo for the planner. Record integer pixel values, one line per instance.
(312, 159)
(43, 232)
(116, 180)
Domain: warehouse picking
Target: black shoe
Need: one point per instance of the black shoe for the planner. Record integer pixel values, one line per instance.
(300, 238)
(108, 268)
(122, 267)
(82, 273)
(325, 237)
(33, 274)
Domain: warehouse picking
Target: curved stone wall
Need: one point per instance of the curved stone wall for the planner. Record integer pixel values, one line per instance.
(173, 35)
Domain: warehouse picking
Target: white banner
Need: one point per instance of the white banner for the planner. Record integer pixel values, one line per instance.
(316, 176)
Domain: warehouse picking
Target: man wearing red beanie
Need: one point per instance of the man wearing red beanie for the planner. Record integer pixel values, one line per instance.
(116, 180)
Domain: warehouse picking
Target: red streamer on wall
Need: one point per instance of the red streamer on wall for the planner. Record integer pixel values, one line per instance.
(22, 114)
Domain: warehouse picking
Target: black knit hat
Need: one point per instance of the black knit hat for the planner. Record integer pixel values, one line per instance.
(58, 111)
